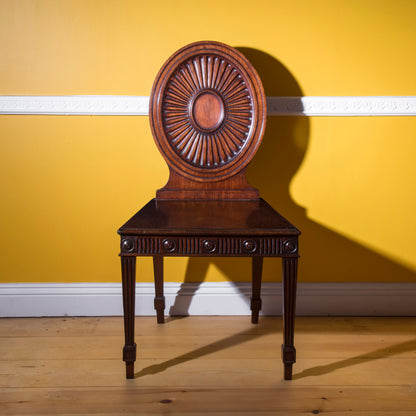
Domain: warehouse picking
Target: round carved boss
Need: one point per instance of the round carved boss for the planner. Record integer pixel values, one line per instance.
(207, 111)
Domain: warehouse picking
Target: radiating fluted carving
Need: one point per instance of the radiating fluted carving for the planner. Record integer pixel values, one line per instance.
(207, 111)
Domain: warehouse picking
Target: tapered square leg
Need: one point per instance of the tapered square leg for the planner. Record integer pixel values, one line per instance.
(128, 270)
(159, 298)
(255, 304)
(289, 278)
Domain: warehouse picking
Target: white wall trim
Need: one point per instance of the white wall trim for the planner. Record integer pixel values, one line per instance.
(277, 106)
(223, 298)
(342, 106)
(99, 105)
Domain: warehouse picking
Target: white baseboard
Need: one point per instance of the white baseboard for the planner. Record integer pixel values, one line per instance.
(223, 298)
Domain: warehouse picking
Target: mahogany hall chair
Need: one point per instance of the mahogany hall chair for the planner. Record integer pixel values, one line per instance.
(207, 116)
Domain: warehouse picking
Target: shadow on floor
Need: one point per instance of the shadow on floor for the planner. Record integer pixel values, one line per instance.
(371, 356)
(270, 328)
(233, 340)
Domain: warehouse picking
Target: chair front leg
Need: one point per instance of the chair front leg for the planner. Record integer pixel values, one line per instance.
(128, 270)
(289, 278)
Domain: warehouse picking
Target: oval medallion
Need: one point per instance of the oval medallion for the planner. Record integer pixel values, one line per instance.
(207, 111)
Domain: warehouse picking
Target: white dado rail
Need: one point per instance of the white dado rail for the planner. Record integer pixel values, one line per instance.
(119, 105)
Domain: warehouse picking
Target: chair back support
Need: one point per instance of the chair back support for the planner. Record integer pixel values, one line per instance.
(207, 116)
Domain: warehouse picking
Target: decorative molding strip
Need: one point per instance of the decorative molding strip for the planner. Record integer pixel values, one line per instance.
(277, 106)
(223, 298)
(99, 105)
(342, 106)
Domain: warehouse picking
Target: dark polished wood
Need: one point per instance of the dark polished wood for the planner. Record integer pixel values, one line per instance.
(159, 297)
(194, 217)
(289, 280)
(207, 115)
(255, 301)
(128, 270)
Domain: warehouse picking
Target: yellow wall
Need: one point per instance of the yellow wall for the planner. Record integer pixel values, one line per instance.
(68, 182)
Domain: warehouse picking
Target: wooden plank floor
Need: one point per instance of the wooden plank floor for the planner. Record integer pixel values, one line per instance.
(208, 365)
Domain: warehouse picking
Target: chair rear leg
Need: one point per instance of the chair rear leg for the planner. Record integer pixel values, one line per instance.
(257, 268)
(159, 297)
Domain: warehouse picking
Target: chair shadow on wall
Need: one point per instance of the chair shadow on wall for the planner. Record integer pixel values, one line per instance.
(326, 256)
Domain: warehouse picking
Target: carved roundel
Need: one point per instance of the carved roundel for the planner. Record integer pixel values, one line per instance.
(207, 111)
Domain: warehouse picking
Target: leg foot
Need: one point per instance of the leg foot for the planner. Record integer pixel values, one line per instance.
(288, 358)
(129, 369)
(288, 371)
(129, 356)
(255, 310)
(159, 298)
(160, 309)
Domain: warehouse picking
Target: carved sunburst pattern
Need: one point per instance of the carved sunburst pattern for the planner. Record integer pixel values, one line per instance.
(207, 111)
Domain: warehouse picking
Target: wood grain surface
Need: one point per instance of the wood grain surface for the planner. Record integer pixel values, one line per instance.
(201, 365)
